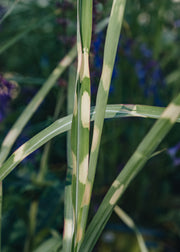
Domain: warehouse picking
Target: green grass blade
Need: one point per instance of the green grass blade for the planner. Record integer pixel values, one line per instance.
(115, 111)
(64, 124)
(103, 90)
(68, 207)
(75, 129)
(111, 44)
(81, 115)
(133, 166)
(131, 110)
(130, 223)
(85, 23)
(38, 140)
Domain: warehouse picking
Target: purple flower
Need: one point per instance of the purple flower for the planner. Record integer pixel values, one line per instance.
(128, 47)
(145, 51)
(2, 11)
(6, 91)
(177, 23)
(140, 70)
(176, 161)
(173, 151)
(151, 63)
(97, 60)
(98, 42)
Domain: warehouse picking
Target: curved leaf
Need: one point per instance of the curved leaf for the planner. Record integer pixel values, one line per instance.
(64, 124)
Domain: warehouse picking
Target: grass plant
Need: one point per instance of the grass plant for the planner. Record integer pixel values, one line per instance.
(82, 151)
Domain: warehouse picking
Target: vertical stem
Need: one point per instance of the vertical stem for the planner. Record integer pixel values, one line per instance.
(110, 49)
(68, 207)
(81, 116)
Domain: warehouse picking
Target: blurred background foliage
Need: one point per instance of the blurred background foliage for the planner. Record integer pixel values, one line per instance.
(33, 39)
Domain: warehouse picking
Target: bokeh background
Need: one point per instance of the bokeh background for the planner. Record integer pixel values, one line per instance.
(147, 71)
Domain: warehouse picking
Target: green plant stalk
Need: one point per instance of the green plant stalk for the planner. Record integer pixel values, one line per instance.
(75, 133)
(113, 31)
(64, 124)
(130, 223)
(134, 165)
(68, 207)
(81, 115)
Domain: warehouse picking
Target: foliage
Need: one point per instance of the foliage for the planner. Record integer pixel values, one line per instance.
(37, 47)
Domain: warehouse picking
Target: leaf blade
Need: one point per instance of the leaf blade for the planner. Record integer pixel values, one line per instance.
(64, 124)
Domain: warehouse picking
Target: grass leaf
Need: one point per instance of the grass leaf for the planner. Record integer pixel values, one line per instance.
(64, 124)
